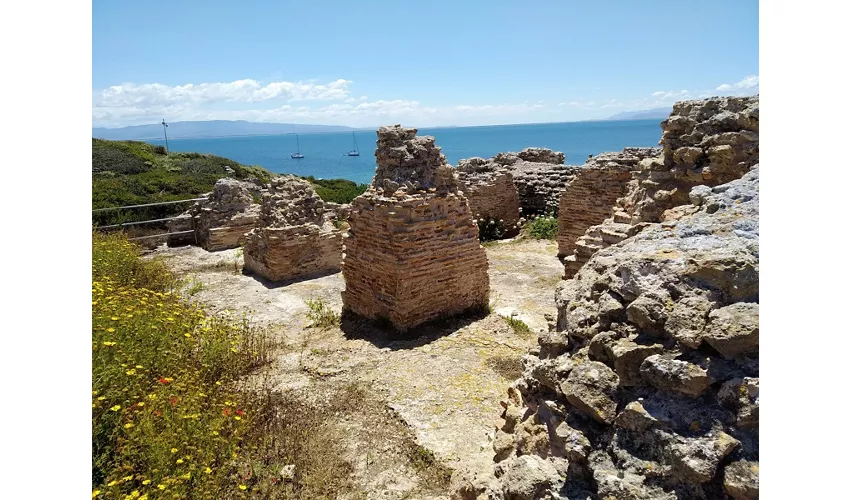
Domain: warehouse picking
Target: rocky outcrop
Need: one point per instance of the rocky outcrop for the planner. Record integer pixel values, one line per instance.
(489, 188)
(294, 238)
(647, 388)
(705, 143)
(589, 197)
(187, 221)
(230, 213)
(411, 253)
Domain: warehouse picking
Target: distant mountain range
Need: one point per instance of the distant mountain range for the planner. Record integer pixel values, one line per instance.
(213, 128)
(646, 114)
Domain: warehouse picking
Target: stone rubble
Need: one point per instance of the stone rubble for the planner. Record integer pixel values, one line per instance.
(489, 188)
(293, 238)
(229, 213)
(705, 143)
(647, 386)
(411, 253)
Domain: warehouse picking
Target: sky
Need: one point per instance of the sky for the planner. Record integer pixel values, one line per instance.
(423, 64)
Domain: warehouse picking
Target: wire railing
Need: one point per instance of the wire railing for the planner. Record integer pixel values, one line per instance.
(151, 221)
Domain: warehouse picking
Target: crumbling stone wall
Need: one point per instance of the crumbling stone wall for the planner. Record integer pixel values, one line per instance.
(230, 213)
(704, 142)
(532, 155)
(590, 196)
(489, 188)
(412, 253)
(648, 387)
(293, 238)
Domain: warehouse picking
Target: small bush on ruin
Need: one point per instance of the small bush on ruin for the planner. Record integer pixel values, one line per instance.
(519, 327)
(320, 315)
(490, 229)
(544, 227)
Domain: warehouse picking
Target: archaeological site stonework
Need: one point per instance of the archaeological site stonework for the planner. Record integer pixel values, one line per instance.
(412, 253)
(589, 197)
(293, 237)
(704, 142)
(489, 188)
(230, 212)
(648, 385)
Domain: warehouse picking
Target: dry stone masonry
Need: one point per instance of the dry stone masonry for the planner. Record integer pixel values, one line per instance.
(648, 386)
(490, 189)
(229, 213)
(704, 142)
(412, 253)
(293, 238)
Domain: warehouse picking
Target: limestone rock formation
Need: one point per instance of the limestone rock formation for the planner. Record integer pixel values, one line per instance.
(704, 143)
(412, 253)
(648, 386)
(230, 213)
(489, 188)
(589, 197)
(293, 238)
(533, 155)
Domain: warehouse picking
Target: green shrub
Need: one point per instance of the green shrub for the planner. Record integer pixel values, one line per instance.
(544, 227)
(337, 190)
(518, 326)
(490, 229)
(320, 315)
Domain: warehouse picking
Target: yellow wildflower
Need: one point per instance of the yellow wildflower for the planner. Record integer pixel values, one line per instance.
(187, 335)
(161, 486)
(173, 450)
(110, 330)
(127, 478)
(95, 493)
(112, 483)
(128, 425)
(146, 482)
(215, 433)
(101, 398)
(109, 344)
(207, 470)
(237, 417)
(140, 404)
(243, 487)
(187, 475)
(179, 461)
(139, 367)
(131, 372)
(115, 318)
(116, 408)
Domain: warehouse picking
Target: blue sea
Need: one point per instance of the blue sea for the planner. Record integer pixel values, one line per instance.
(325, 153)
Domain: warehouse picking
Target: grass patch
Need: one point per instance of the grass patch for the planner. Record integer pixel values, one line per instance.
(518, 326)
(544, 227)
(195, 286)
(320, 315)
(509, 367)
(435, 474)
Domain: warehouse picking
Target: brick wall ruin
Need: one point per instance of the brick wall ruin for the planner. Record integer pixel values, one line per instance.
(489, 188)
(229, 213)
(704, 142)
(293, 237)
(412, 254)
(590, 196)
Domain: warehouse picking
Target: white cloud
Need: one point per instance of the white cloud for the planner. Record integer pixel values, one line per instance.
(659, 93)
(157, 94)
(749, 82)
(684, 92)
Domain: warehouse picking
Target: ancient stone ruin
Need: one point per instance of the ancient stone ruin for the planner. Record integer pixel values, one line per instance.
(492, 196)
(412, 253)
(589, 197)
(293, 237)
(648, 387)
(224, 219)
(704, 142)
(539, 176)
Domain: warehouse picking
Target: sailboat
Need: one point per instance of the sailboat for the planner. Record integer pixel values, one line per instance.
(298, 154)
(355, 151)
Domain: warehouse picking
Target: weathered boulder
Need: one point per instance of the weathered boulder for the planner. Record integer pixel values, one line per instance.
(734, 330)
(294, 238)
(674, 375)
(741, 480)
(592, 388)
(411, 253)
(528, 477)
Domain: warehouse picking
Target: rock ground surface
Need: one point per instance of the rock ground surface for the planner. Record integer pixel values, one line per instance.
(439, 390)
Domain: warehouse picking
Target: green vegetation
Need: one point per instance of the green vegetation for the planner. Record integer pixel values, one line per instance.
(135, 173)
(320, 315)
(172, 413)
(519, 327)
(490, 229)
(337, 190)
(544, 227)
